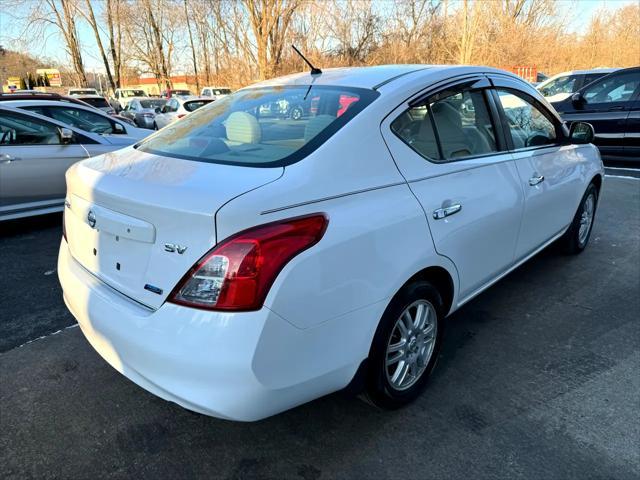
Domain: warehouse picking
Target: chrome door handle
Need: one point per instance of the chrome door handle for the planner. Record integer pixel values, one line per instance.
(5, 158)
(533, 181)
(446, 211)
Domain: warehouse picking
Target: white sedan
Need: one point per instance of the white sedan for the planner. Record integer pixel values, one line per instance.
(178, 107)
(240, 265)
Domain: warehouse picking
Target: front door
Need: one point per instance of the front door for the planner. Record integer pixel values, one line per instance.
(605, 105)
(549, 169)
(446, 148)
(33, 162)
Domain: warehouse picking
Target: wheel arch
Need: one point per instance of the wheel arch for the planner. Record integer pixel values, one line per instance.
(597, 181)
(441, 279)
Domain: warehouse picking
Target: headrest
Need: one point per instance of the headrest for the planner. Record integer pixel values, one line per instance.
(242, 127)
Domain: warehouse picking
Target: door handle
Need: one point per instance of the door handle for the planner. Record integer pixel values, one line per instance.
(440, 213)
(533, 181)
(5, 158)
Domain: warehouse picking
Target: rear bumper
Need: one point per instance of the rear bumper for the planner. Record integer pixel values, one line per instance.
(243, 366)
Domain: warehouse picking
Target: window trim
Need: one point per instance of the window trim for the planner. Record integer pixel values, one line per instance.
(479, 83)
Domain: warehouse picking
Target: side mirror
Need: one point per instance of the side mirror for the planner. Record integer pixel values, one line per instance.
(581, 133)
(118, 128)
(577, 100)
(157, 109)
(66, 135)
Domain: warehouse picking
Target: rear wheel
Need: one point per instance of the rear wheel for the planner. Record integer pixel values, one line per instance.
(577, 236)
(155, 125)
(405, 346)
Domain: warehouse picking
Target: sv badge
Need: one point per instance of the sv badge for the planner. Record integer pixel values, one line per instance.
(173, 247)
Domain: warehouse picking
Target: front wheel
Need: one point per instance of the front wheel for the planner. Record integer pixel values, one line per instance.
(577, 236)
(405, 346)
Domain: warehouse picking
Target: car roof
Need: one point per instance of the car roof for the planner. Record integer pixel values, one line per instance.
(603, 71)
(369, 77)
(44, 103)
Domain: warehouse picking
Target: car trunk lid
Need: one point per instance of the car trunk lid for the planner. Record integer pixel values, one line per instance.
(139, 221)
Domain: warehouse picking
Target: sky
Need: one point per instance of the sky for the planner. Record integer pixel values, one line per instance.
(13, 36)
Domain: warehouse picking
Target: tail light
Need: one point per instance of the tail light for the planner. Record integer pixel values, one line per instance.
(238, 273)
(180, 115)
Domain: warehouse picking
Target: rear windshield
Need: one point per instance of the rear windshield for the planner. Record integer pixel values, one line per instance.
(195, 104)
(96, 102)
(152, 103)
(82, 92)
(132, 93)
(261, 127)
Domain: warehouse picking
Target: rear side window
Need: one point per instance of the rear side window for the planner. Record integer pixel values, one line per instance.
(529, 126)
(258, 127)
(451, 125)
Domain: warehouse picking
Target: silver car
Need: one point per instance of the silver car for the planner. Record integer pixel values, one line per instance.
(143, 111)
(35, 152)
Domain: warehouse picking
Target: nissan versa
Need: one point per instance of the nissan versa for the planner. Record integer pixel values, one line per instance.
(240, 263)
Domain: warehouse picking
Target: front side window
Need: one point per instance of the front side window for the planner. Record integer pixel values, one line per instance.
(24, 130)
(251, 127)
(528, 125)
(614, 88)
(78, 118)
(450, 125)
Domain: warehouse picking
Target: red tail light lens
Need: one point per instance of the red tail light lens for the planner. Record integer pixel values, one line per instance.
(180, 115)
(238, 273)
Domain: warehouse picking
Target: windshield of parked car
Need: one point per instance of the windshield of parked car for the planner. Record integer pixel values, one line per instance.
(132, 93)
(192, 105)
(152, 103)
(564, 84)
(258, 127)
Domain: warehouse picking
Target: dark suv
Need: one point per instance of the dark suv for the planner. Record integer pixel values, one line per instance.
(612, 105)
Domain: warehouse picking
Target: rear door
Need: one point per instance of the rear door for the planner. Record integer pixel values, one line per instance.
(33, 161)
(548, 168)
(445, 145)
(632, 130)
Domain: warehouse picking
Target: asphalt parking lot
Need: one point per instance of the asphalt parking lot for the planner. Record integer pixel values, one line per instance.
(538, 378)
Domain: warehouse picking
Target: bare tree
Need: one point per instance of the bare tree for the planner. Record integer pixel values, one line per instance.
(193, 48)
(270, 20)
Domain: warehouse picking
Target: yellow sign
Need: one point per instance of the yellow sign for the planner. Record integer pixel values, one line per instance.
(53, 74)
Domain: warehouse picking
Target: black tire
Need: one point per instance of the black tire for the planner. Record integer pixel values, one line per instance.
(155, 125)
(572, 242)
(378, 388)
(296, 113)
